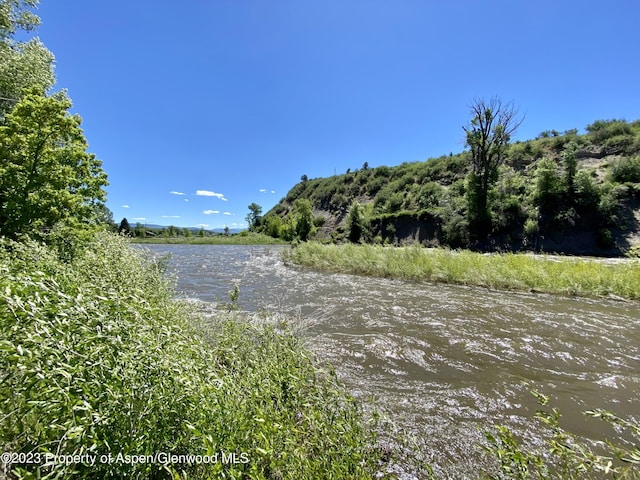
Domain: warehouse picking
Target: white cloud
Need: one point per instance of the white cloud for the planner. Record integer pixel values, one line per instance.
(227, 213)
(186, 199)
(140, 219)
(273, 191)
(124, 206)
(209, 212)
(170, 216)
(203, 225)
(207, 193)
(177, 193)
(262, 190)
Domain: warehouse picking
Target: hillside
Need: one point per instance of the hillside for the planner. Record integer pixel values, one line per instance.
(537, 203)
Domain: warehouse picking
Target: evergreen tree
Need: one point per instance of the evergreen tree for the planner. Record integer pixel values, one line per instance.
(124, 228)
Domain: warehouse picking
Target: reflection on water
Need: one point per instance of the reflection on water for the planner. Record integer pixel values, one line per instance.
(446, 361)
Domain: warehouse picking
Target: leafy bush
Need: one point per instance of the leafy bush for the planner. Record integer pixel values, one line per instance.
(548, 186)
(531, 227)
(586, 191)
(618, 143)
(626, 169)
(601, 130)
(97, 359)
(455, 231)
(563, 455)
(608, 207)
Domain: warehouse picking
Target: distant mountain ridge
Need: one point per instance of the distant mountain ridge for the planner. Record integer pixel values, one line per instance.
(535, 203)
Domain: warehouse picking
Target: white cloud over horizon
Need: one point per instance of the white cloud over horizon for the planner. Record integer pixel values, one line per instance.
(208, 193)
(210, 212)
(139, 218)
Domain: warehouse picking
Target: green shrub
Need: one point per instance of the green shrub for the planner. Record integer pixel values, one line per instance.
(626, 169)
(562, 454)
(531, 227)
(601, 130)
(96, 358)
(587, 193)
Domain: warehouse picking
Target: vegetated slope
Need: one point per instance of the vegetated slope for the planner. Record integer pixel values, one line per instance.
(560, 192)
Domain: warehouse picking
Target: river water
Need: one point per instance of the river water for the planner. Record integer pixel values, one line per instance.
(446, 362)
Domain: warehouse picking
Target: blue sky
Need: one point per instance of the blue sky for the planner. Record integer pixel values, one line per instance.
(199, 108)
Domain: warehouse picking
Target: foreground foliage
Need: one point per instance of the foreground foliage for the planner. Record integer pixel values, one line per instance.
(561, 275)
(563, 455)
(97, 359)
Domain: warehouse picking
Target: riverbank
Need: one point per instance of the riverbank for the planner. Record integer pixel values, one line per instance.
(243, 238)
(557, 275)
(99, 361)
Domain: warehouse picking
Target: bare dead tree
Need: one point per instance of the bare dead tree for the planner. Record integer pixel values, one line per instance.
(488, 135)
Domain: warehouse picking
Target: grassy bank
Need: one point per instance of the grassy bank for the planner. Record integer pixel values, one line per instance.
(97, 359)
(249, 238)
(566, 276)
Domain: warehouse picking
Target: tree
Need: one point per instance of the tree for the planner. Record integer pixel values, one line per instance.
(570, 161)
(16, 15)
(140, 230)
(548, 186)
(273, 224)
(356, 221)
(124, 228)
(488, 134)
(46, 175)
(304, 218)
(23, 65)
(254, 216)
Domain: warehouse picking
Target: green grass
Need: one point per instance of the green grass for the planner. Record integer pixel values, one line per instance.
(236, 239)
(558, 275)
(97, 358)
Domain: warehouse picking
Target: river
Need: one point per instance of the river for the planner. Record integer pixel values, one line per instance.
(446, 362)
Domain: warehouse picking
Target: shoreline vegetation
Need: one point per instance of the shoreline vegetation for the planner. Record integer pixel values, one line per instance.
(558, 275)
(242, 238)
(99, 359)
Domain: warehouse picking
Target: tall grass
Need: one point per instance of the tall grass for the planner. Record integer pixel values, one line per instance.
(243, 238)
(97, 359)
(566, 276)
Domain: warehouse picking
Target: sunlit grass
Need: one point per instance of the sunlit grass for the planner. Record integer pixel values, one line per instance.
(550, 274)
